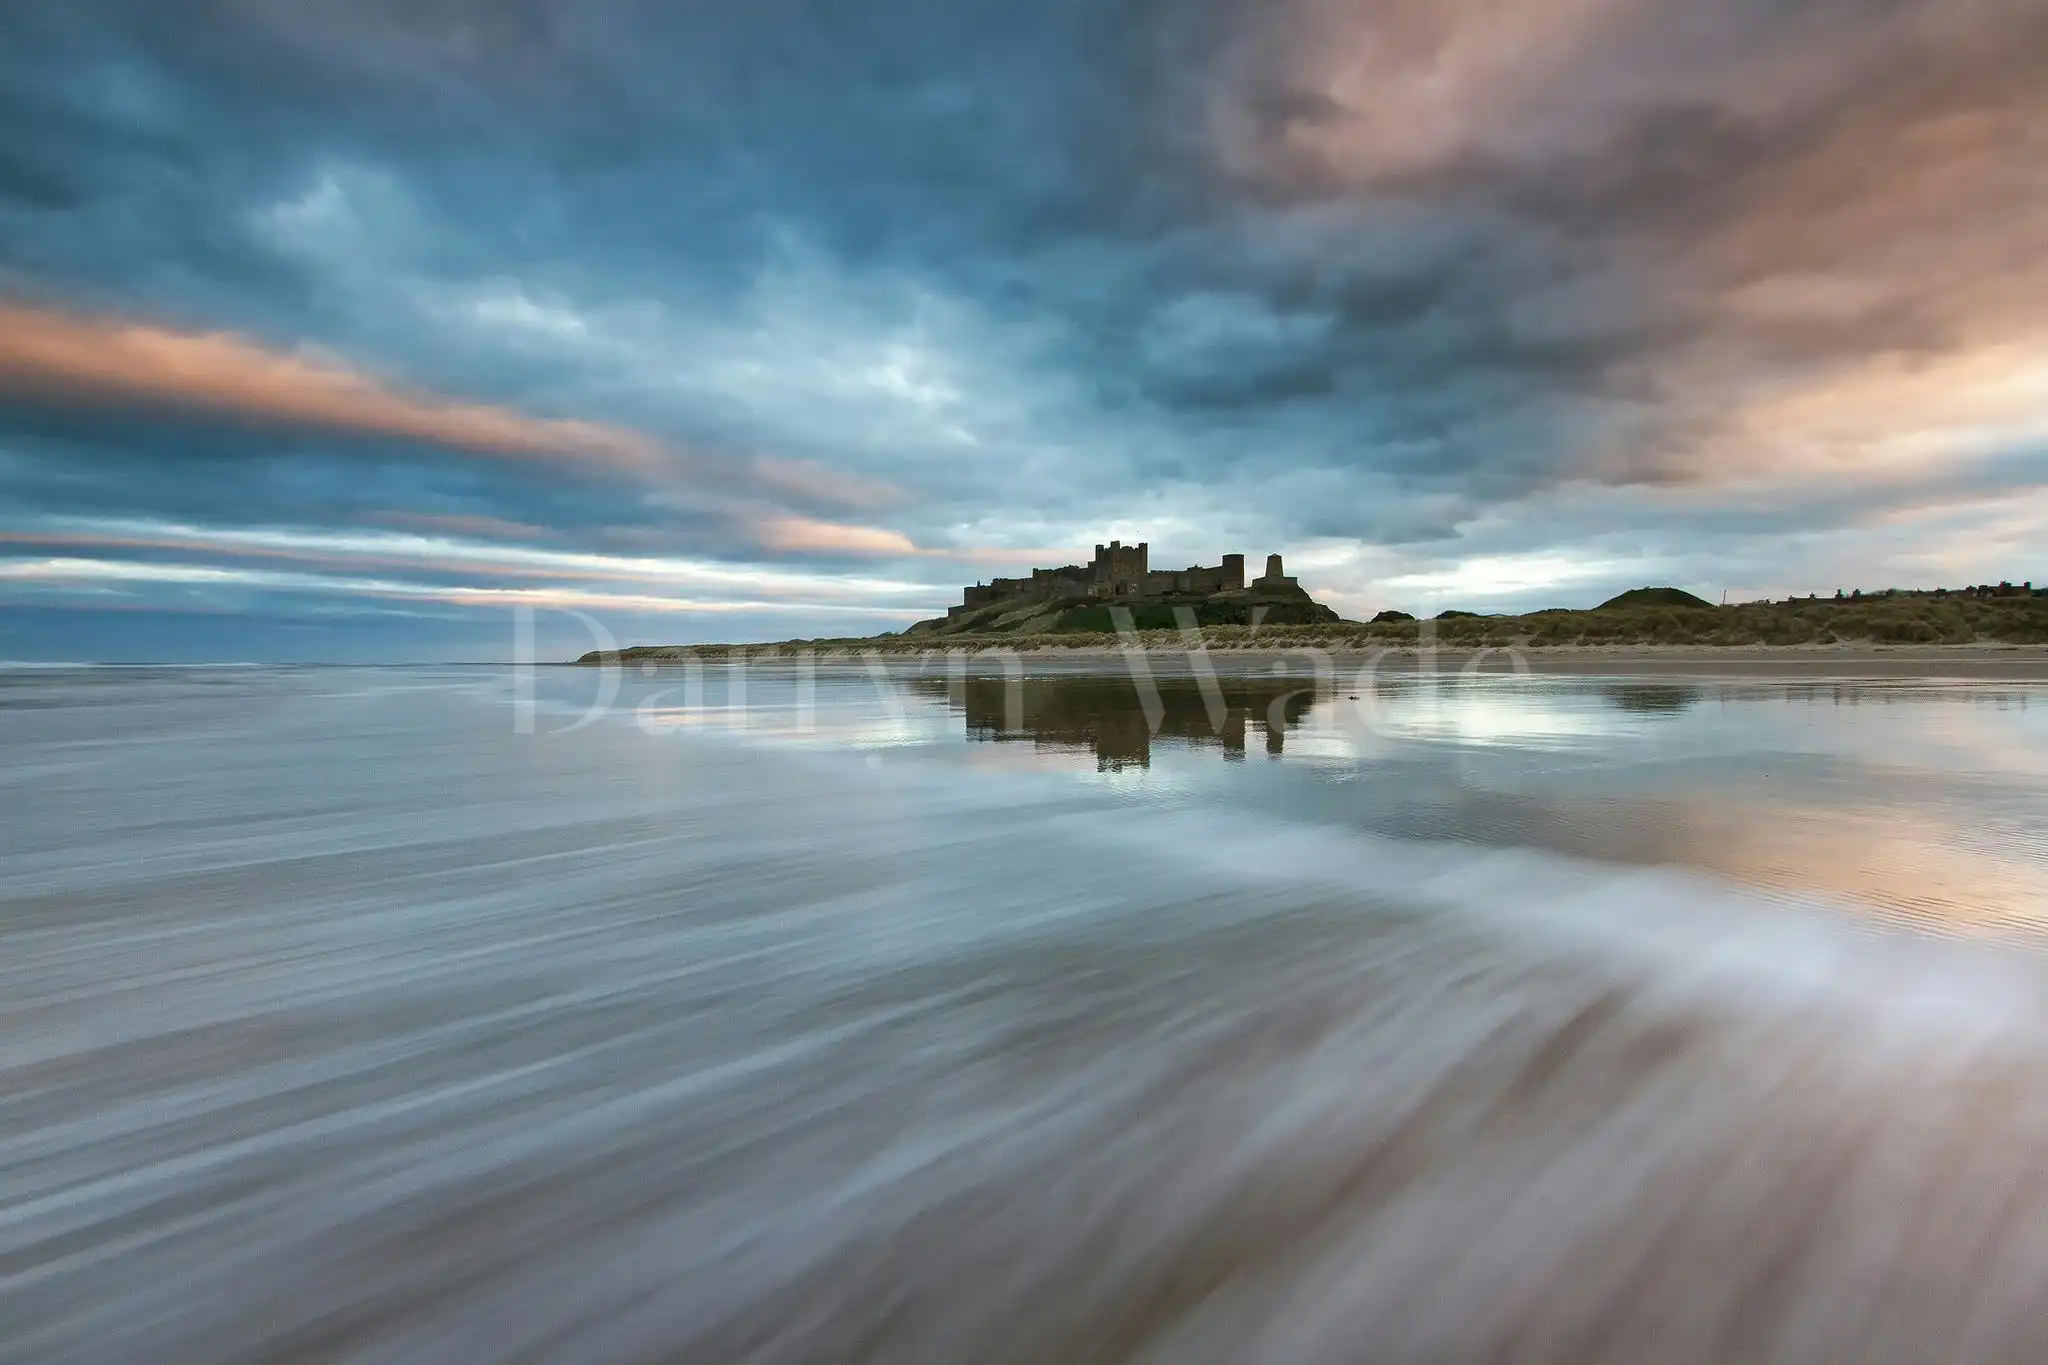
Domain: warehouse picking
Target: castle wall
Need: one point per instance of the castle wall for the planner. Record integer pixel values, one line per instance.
(1193, 579)
(1069, 580)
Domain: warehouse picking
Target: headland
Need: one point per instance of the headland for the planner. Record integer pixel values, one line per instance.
(1117, 602)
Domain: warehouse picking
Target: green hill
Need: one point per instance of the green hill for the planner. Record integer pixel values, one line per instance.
(1655, 597)
(1215, 611)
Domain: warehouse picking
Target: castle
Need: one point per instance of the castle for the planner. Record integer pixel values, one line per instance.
(1121, 571)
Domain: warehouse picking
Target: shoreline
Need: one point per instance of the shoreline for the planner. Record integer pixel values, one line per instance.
(1975, 662)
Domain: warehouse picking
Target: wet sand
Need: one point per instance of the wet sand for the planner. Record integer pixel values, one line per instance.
(1963, 662)
(344, 1018)
(1988, 663)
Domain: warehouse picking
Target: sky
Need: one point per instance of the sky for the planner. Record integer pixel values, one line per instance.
(358, 329)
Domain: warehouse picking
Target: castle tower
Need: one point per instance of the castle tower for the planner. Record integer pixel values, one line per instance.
(1233, 573)
(1275, 578)
(1118, 569)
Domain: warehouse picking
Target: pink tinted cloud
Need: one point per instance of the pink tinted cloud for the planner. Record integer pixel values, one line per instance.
(112, 361)
(1785, 243)
(802, 535)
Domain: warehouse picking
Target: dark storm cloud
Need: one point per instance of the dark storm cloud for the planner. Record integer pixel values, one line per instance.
(918, 282)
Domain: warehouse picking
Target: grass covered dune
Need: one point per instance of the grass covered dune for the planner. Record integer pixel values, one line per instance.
(1951, 620)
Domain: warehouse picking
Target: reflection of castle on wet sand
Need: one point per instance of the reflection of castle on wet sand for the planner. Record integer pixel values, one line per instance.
(1107, 715)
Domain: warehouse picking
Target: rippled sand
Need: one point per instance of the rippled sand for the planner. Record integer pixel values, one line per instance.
(338, 1020)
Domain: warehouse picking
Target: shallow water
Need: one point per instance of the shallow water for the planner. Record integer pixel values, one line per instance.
(420, 1014)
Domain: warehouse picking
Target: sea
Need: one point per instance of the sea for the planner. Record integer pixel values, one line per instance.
(1025, 1011)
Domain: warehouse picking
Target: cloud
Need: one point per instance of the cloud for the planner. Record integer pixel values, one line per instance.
(453, 556)
(65, 358)
(96, 574)
(1465, 290)
(1668, 220)
(461, 524)
(800, 535)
